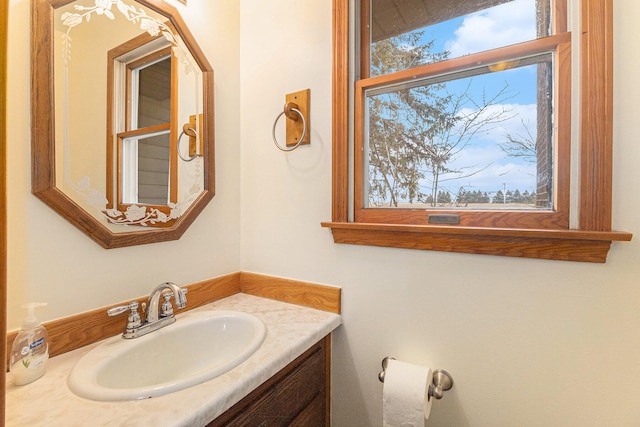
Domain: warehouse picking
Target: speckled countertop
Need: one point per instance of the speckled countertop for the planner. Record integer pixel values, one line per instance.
(291, 330)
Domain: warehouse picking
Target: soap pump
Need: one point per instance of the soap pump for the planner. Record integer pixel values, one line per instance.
(30, 350)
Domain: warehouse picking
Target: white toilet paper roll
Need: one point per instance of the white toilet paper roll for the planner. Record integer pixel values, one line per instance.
(405, 394)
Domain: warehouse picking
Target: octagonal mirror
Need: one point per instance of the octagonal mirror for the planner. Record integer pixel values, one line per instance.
(122, 119)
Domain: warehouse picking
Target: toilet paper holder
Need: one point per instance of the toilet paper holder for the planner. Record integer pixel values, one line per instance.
(442, 380)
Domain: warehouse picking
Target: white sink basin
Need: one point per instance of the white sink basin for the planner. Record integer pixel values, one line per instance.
(197, 347)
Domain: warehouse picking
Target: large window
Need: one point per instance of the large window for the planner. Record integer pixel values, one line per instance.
(462, 129)
(459, 105)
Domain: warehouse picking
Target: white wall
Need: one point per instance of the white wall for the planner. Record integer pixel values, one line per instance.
(528, 342)
(50, 260)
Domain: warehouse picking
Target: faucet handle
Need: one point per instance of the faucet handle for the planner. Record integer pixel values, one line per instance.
(167, 308)
(122, 308)
(133, 321)
(170, 293)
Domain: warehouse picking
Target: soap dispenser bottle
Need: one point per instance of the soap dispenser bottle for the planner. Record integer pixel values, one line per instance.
(30, 350)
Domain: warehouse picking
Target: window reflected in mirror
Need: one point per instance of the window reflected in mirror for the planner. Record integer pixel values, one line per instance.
(146, 156)
(152, 171)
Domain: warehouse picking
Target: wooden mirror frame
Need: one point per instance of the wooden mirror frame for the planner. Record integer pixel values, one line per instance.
(43, 169)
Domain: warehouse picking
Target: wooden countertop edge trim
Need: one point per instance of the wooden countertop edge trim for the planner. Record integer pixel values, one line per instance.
(70, 333)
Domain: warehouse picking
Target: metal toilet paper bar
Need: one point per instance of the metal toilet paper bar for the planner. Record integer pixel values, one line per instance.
(442, 380)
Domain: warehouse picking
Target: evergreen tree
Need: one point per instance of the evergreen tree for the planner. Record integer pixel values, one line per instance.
(509, 196)
(444, 197)
(517, 197)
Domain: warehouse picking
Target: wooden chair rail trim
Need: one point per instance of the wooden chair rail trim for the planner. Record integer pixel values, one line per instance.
(82, 329)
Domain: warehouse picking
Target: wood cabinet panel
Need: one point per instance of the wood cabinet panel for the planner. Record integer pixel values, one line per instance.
(313, 415)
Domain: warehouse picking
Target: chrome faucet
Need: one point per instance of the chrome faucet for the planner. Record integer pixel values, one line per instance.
(153, 321)
(154, 301)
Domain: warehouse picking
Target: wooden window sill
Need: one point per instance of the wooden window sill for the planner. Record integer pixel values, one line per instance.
(565, 245)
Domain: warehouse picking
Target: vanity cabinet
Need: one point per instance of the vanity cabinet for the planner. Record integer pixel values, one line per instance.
(298, 395)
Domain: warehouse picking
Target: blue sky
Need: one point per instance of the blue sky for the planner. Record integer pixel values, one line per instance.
(508, 23)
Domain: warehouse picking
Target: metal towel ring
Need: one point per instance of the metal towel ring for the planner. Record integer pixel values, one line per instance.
(304, 130)
(186, 159)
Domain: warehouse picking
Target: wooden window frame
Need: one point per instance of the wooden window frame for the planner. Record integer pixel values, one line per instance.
(557, 218)
(589, 242)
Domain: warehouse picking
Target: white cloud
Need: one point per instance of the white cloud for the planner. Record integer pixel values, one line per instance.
(516, 117)
(519, 117)
(493, 168)
(505, 24)
(485, 157)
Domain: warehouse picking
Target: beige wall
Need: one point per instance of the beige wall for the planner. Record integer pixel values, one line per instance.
(529, 342)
